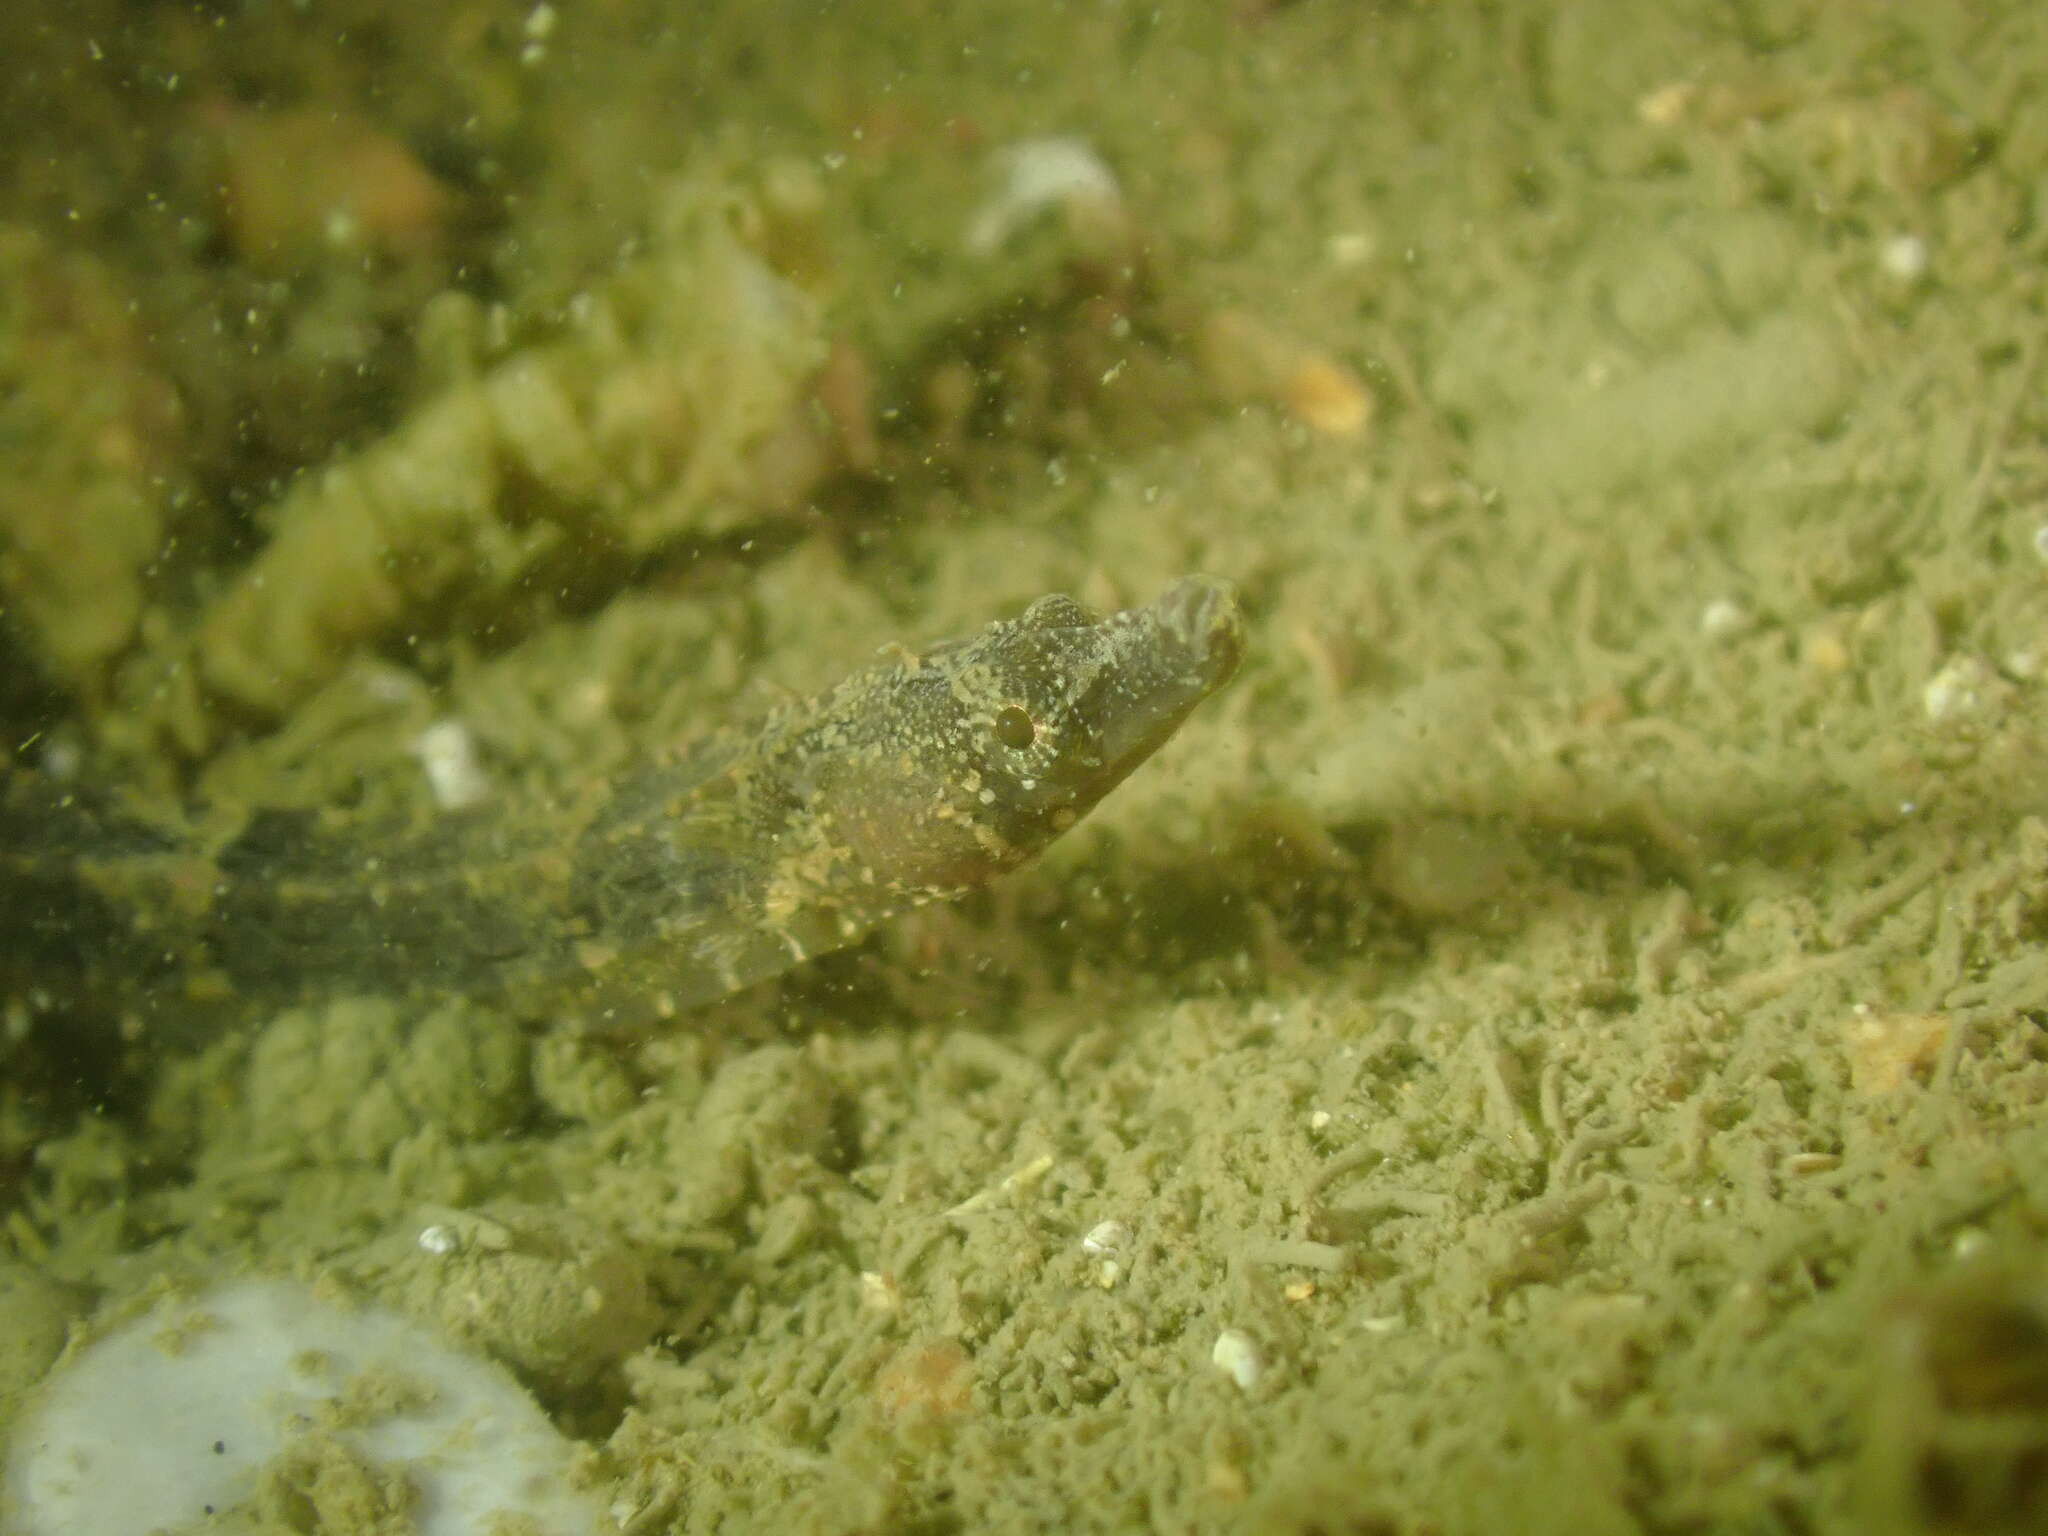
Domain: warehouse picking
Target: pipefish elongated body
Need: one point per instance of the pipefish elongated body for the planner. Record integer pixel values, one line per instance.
(920, 777)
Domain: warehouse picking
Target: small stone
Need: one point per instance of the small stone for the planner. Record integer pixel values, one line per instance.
(1724, 618)
(1904, 258)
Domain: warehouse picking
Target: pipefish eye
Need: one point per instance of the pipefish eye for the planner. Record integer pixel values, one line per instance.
(1014, 728)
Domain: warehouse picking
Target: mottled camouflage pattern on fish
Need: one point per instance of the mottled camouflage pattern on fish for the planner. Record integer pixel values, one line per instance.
(920, 777)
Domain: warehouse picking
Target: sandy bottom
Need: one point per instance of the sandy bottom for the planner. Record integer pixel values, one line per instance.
(1558, 1046)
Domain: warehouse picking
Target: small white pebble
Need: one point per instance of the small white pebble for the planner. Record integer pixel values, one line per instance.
(439, 1239)
(2041, 543)
(1904, 258)
(1352, 248)
(1724, 618)
(1236, 1356)
(448, 755)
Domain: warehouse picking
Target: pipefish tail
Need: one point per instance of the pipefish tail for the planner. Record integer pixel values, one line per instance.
(919, 778)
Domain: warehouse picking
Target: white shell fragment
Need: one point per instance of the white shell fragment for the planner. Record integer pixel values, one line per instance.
(1237, 1356)
(184, 1411)
(1106, 1238)
(1107, 1242)
(1037, 175)
(1966, 686)
(455, 773)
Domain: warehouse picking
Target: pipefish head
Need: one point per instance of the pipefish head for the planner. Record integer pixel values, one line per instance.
(1065, 702)
(996, 744)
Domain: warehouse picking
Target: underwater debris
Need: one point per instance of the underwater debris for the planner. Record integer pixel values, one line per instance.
(1237, 1356)
(673, 404)
(1037, 176)
(263, 1403)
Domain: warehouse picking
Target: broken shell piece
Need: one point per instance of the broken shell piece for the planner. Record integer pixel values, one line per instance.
(1107, 1242)
(454, 770)
(1037, 175)
(208, 1409)
(1966, 686)
(1106, 1237)
(1237, 1356)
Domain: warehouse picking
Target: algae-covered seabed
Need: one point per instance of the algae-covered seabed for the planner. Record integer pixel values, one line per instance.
(1569, 1018)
